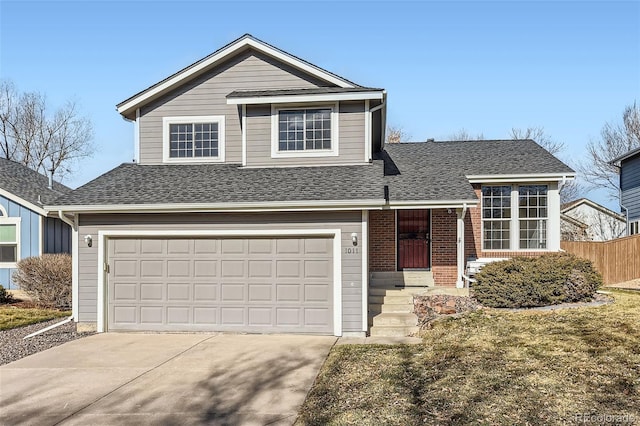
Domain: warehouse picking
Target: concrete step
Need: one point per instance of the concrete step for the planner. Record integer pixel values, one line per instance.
(391, 282)
(390, 308)
(395, 319)
(399, 299)
(388, 291)
(393, 331)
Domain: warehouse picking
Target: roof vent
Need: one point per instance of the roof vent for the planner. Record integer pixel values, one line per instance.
(50, 178)
(431, 140)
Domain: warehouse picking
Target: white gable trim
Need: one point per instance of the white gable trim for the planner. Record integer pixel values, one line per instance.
(317, 97)
(23, 202)
(197, 68)
(515, 178)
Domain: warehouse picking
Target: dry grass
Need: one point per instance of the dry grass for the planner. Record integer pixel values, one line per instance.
(12, 316)
(491, 367)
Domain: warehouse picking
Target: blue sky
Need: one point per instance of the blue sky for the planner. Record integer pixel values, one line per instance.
(484, 66)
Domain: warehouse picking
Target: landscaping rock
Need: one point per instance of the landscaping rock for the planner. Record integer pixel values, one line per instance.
(13, 346)
(428, 308)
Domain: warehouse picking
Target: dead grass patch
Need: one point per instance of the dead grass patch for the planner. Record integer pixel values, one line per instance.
(490, 367)
(12, 316)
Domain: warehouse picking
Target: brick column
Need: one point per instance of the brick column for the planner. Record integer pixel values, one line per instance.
(382, 240)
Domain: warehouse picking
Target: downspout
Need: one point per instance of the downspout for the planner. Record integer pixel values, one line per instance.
(460, 255)
(383, 117)
(74, 227)
(622, 207)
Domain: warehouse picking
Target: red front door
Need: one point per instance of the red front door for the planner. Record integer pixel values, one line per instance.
(414, 243)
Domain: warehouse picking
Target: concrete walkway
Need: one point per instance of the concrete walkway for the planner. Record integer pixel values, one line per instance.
(123, 379)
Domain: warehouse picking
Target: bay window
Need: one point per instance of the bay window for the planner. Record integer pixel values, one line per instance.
(514, 217)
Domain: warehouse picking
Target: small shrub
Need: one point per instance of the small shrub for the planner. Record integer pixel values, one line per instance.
(5, 296)
(528, 282)
(46, 279)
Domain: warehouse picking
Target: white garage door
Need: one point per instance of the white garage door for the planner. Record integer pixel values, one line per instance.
(207, 284)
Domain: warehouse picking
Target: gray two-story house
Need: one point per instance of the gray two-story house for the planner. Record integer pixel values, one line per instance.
(629, 166)
(264, 199)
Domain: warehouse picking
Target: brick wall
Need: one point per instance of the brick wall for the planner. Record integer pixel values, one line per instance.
(444, 247)
(382, 240)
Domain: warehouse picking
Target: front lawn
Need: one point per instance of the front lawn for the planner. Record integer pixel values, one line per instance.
(12, 317)
(492, 367)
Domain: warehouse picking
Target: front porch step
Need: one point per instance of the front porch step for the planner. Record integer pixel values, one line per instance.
(387, 308)
(395, 319)
(393, 331)
(402, 279)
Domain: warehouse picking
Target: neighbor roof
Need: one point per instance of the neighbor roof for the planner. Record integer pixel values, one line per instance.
(28, 185)
(208, 184)
(129, 105)
(575, 203)
(441, 170)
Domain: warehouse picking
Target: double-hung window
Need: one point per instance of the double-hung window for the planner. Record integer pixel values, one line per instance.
(9, 240)
(304, 131)
(195, 139)
(514, 217)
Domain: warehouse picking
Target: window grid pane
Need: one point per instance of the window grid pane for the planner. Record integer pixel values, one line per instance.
(532, 211)
(188, 140)
(304, 130)
(496, 217)
(8, 253)
(8, 233)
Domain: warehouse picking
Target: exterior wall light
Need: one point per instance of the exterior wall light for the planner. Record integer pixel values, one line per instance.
(354, 239)
(89, 240)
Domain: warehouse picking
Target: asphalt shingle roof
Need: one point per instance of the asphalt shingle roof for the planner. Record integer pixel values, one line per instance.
(427, 171)
(227, 183)
(28, 184)
(438, 170)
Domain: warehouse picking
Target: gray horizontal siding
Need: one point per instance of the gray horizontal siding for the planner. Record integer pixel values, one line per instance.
(630, 174)
(206, 95)
(351, 143)
(348, 222)
(631, 200)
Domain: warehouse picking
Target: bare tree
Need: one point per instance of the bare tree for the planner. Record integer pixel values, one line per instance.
(538, 135)
(48, 142)
(463, 135)
(396, 134)
(615, 140)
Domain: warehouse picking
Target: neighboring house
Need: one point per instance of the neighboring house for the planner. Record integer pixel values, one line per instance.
(26, 228)
(629, 166)
(585, 220)
(264, 200)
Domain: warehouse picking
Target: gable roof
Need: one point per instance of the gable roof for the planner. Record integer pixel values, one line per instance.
(227, 186)
(444, 170)
(566, 207)
(27, 187)
(128, 106)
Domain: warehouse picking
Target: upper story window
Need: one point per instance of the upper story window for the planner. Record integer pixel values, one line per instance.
(9, 239)
(634, 228)
(193, 139)
(514, 217)
(304, 131)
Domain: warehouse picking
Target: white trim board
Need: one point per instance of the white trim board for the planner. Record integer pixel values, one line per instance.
(226, 207)
(318, 97)
(212, 60)
(336, 234)
(23, 202)
(516, 178)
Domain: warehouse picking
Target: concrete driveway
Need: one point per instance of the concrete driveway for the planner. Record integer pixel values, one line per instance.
(117, 378)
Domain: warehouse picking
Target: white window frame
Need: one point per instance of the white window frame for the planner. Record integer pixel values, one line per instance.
(514, 222)
(5, 220)
(275, 134)
(166, 144)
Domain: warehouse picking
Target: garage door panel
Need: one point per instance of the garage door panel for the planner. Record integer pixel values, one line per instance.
(179, 246)
(206, 292)
(209, 284)
(205, 268)
(151, 292)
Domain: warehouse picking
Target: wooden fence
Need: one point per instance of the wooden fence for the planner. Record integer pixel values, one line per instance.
(617, 260)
